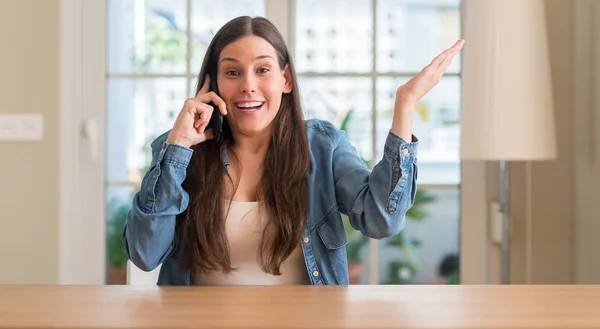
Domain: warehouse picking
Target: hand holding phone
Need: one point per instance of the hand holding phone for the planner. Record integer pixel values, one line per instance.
(190, 127)
(216, 120)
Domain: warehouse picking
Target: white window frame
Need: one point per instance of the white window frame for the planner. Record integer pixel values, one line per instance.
(82, 79)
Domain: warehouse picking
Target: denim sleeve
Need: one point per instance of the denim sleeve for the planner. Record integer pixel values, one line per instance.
(148, 236)
(376, 201)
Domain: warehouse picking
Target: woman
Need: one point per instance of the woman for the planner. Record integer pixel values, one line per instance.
(261, 203)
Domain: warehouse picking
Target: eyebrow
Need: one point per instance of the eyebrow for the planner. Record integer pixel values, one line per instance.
(231, 59)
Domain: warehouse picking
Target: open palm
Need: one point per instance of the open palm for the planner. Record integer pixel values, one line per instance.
(419, 85)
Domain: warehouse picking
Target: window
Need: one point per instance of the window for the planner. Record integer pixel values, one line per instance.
(154, 52)
(350, 55)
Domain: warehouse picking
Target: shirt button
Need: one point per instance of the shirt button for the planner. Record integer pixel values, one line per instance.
(316, 273)
(306, 240)
(405, 151)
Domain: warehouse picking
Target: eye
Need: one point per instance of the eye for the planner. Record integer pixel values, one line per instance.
(263, 70)
(232, 73)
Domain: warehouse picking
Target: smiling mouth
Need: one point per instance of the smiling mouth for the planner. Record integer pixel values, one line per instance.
(249, 106)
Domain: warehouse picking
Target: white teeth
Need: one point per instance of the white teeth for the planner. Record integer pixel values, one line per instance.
(249, 104)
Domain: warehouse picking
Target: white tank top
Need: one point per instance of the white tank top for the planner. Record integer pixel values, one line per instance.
(244, 231)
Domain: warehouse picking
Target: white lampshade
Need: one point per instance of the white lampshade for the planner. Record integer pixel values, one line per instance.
(507, 108)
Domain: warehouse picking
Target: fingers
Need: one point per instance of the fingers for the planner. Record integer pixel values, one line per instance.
(195, 107)
(199, 122)
(190, 127)
(202, 112)
(203, 120)
(453, 51)
(202, 125)
(439, 59)
(205, 86)
(447, 55)
(211, 96)
(444, 58)
(458, 44)
(206, 96)
(206, 135)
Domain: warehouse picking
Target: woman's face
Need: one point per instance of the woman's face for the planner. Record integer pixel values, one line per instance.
(251, 84)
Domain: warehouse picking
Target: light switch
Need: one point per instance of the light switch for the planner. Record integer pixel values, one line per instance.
(21, 127)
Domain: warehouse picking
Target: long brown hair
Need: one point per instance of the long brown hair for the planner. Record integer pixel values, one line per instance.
(282, 188)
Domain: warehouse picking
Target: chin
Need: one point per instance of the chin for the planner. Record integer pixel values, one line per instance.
(252, 130)
(253, 127)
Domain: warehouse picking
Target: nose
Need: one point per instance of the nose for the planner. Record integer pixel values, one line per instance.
(248, 84)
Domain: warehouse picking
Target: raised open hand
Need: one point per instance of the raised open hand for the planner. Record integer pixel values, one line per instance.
(412, 91)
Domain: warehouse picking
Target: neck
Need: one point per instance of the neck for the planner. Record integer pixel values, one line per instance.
(252, 145)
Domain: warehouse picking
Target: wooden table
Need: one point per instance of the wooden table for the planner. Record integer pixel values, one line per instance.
(300, 307)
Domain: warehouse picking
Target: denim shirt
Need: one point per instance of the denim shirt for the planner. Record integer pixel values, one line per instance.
(338, 182)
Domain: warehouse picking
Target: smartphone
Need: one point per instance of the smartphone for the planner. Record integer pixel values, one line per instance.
(216, 120)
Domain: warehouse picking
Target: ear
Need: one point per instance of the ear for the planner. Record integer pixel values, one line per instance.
(287, 76)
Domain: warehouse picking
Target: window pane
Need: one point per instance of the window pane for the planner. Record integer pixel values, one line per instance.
(333, 99)
(208, 16)
(334, 36)
(436, 125)
(411, 33)
(138, 111)
(147, 36)
(118, 204)
(426, 251)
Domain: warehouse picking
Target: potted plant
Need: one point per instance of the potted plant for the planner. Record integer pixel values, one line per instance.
(449, 269)
(401, 271)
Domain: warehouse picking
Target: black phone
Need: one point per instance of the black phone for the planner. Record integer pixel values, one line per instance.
(216, 120)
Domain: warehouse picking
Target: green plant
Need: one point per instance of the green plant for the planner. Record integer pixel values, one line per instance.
(165, 45)
(344, 128)
(453, 278)
(449, 269)
(406, 243)
(117, 217)
(401, 271)
(355, 241)
(417, 212)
